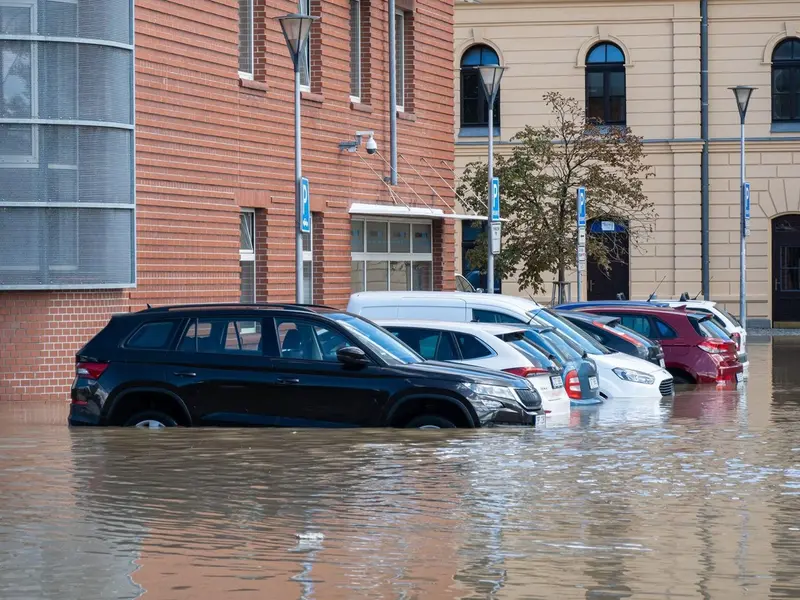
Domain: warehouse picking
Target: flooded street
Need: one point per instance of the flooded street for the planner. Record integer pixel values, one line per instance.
(696, 497)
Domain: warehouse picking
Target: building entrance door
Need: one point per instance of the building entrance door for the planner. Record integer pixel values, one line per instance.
(786, 271)
(606, 284)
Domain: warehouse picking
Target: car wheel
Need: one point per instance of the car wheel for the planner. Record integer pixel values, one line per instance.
(430, 422)
(679, 379)
(151, 419)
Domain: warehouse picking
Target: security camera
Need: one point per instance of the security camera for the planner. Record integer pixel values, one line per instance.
(371, 145)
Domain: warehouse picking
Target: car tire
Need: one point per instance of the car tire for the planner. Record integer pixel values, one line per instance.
(151, 419)
(678, 379)
(430, 422)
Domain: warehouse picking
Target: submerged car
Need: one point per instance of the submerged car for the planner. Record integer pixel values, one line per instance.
(695, 350)
(500, 347)
(280, 365)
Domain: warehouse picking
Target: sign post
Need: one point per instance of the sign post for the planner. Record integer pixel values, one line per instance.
(305, 207)
(581, 262)
(746, 222)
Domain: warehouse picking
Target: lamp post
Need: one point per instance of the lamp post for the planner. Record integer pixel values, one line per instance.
(742, 94)
(490, 77)
(296, 29)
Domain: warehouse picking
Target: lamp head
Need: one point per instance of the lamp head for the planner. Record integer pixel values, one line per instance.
(491, 76)
(295, 29)
(742, 94)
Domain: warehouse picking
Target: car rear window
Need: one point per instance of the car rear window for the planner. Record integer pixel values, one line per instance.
(529, 351)
(712, 330)
(152, 336)
(562, 345)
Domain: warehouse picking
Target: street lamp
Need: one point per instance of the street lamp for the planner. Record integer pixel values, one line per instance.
(490, 77)
(296, 29)
(742, 94)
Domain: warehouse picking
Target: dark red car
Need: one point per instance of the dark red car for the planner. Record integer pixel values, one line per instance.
(694, 350)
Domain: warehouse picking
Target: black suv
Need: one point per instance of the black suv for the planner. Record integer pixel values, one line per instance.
(279, 365)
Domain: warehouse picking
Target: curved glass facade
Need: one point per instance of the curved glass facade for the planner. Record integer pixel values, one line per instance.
(67, 186)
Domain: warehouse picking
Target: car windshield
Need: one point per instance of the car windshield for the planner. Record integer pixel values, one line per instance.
(563, 345)
(584, 342)
(380, 341)
(631, 333)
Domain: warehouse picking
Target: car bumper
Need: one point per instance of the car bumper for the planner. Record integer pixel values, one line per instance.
(82, 416)
(508, 417)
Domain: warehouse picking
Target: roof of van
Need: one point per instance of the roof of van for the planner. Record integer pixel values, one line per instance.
(461, 327)
(470, 298)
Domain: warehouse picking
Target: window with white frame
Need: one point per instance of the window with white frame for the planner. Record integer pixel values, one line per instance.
(247, 256)
(308, 264)
(355, 50)
(391, 255)
(400, 58)
(246, 39)
(305, 59)
(18, 83)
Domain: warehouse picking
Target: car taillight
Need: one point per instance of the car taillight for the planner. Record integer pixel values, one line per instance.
(715, 346)
(573, 385)
(526, 371)
(90, 370)
(737, 338)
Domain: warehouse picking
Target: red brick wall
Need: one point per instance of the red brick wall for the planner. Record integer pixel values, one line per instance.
(208, 144)
(40, 332)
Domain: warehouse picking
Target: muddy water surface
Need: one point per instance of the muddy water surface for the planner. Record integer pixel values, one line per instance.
(696, 497)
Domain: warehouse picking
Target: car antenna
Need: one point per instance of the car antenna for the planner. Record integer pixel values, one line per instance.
(148, 305)
(701, 290)
(653, 295)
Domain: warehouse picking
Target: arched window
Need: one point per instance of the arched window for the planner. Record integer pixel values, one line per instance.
(786, 82)
(605, 84)
(474, 108)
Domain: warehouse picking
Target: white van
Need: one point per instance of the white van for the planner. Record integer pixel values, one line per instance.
(620, 375)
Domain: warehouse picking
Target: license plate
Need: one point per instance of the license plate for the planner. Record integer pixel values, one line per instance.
(556, 382)
(593, 383)
(739, 377)
(662, 363)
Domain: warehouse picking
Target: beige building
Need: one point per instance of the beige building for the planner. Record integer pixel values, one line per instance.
(641, 61)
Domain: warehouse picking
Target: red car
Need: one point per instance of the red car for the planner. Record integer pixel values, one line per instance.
(695, 351)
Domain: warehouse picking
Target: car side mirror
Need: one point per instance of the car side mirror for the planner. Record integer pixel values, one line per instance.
(479, 290)
(352, 356)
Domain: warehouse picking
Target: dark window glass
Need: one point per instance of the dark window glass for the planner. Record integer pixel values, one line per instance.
(302, 340)
(638, 323)
(489, 316)
(474, 107)
(222, 336)
(786, 82)
(605, 84)
(152, 336)
(471, 347)
(665, 332)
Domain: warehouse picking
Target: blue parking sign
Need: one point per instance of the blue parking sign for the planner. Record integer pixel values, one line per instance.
(581, 207)
(305, 206)
(746, 201)
(495, 199)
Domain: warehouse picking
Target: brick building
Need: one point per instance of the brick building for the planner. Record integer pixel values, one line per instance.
(214, 189)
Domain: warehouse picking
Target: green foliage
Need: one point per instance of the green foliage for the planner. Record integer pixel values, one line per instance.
(538, 184)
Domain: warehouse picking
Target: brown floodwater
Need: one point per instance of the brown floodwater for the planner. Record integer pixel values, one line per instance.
(696, 497)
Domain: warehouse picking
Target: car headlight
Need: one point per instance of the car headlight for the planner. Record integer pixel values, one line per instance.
(634, 376)
(495, 391)
(487, 403)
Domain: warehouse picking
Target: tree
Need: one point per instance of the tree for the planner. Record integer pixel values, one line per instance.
(539, 182)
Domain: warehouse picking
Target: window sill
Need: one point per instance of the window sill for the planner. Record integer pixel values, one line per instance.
(249, 84)
(406, 116)
(476, 132)
(312, 97)
(789, 127)
(360, 107)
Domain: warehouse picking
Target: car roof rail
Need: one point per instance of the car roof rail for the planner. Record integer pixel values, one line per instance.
(260, 305)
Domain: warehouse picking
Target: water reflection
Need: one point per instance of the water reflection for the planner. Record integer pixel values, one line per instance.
(692, 497)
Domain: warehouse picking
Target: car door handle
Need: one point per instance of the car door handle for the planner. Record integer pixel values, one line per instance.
(185, 374)
(287, 381)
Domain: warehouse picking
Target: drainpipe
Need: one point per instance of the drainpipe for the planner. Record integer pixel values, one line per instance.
(704, 189)
(392, 95)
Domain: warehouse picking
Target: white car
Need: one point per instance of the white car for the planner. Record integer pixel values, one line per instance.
(499, 347)
(723, 319)
(620, 375)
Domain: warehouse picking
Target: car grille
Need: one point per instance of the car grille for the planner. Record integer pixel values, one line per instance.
(667, 387)
(530, 399)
